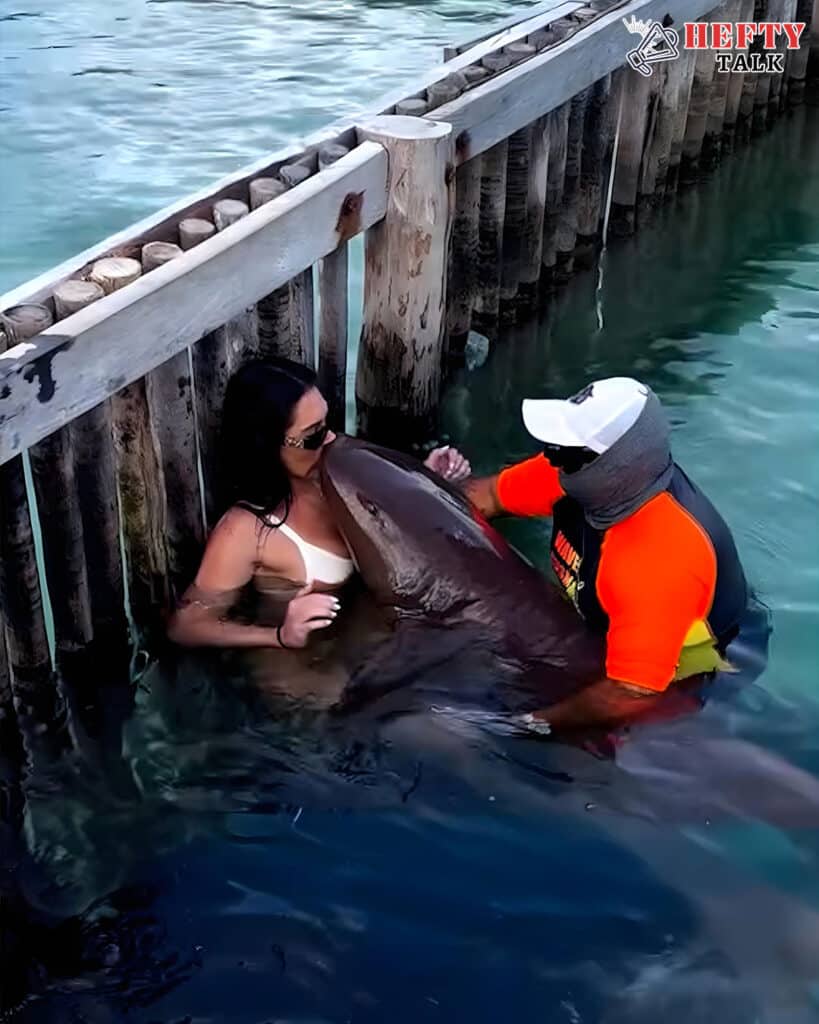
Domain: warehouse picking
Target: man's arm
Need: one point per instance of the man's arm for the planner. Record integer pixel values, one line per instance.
(483, 493)
(606, 702)
(529, 488)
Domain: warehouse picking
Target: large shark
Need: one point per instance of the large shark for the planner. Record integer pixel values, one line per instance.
(449, 579)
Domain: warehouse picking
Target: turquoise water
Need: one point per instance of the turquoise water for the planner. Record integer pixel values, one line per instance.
(243, 868)
(111, 111)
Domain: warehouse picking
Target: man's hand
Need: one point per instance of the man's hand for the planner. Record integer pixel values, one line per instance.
(606, 702)
(448, 463)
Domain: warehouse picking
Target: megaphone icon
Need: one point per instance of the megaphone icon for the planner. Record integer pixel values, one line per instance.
(657, 44)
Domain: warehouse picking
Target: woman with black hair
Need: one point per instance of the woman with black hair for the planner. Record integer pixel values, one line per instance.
(277, 533)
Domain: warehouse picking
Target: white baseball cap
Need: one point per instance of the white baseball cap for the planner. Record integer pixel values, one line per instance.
(594, 418)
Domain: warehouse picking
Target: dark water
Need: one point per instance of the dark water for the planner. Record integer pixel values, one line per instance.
(248, 861)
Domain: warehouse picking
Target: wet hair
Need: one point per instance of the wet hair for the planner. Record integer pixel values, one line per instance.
(257, 413)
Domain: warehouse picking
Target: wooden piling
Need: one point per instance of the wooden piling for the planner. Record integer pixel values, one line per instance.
(214, 359)
(333, 315)
(735, 87)
(718, 103)
(399, 361)
(169, 390)
(558, 133)
(639, 102)
(681, 78)
(96, 675)
(532, 259)
(494, 162)
(286, 316)
(699, 105)
(812, 70)
(413, 107)
(798, 60)
(763, 80)
(517, 199)
(566, 237)
(96, 481)
(514, 227)
(52, 471)
(141, 490)
(38, 704)
(194, 230)
(599, 129)
(462, 289)
(486, 309)
(782, 11)
(61, 529)
(302, 296)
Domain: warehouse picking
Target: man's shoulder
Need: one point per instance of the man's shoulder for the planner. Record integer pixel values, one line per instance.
(660, 533)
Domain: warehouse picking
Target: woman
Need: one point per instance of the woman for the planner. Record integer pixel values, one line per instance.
(277, 533)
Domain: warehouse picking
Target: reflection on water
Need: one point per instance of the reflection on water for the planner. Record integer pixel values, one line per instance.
(251, 859)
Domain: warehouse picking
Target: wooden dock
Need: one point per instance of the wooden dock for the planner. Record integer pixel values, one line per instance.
(480, 189)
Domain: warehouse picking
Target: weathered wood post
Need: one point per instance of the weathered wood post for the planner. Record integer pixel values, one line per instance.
(494, 162)
(599, 130)
(334, 312)
(718, 105)
(639, 97)
(517, 200)
(39, 707)
(783, 11)
(558, 133)
(169, 390)
(61, 529)
(763, 79)
(486, 309)
(141, 487)
(683, 77)
(735, 87)
(214, 358)
(101, 670)
(302, 296)
(286, 316)
(699, 106)
(798, 60)
(532, 259)
(399, 361)
(566, 238)
(812, 71)
(462, 288)
(463, 262)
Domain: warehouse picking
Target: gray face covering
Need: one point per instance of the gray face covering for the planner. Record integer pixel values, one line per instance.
(636, 468)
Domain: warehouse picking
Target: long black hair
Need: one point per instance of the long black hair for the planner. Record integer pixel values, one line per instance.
(258, 410)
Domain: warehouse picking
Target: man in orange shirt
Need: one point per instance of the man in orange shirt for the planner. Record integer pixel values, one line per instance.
(639, 550)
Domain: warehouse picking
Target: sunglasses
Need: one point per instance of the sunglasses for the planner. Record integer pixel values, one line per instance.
(568, 458)
(310, 443)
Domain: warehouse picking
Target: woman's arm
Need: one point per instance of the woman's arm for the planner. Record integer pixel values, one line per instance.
(201, 619)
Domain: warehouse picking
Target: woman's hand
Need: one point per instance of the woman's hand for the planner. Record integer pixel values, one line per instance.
(448, 463)
(306, 612)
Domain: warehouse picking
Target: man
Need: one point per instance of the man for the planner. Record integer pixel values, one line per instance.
(637, 547)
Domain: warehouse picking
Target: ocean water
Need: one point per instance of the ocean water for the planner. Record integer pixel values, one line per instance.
(246, 862)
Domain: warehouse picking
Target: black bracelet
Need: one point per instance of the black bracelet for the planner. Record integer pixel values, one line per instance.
(282, 644)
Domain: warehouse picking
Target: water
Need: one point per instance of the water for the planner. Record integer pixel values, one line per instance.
(111, 111)
(245, 867)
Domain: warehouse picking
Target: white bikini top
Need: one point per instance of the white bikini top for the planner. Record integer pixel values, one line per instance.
(321, 565)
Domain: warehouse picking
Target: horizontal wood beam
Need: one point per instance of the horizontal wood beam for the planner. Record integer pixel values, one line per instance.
(498, 108)
(77, 363)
